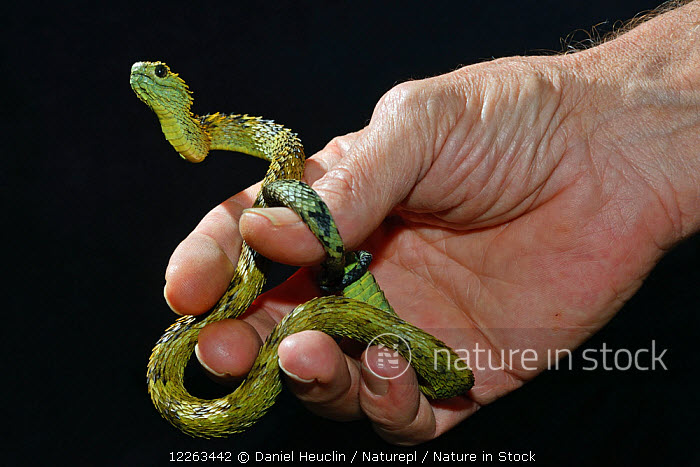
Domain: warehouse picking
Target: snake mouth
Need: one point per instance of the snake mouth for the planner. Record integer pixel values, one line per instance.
(140, 83)
(138, 77)
(144, 87)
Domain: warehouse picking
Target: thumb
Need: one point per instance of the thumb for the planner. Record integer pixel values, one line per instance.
(361, 177)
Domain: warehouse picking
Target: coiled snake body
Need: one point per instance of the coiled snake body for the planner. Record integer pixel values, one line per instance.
(361, 313)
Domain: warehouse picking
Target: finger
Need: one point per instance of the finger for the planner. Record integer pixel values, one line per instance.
(279, 234)
(227, 348)
(361, 182)
(202, 265)
(391, 399)
(375, 171)
(321, 375)
(321, 162)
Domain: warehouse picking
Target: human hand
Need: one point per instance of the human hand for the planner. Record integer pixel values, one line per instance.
(515, 204)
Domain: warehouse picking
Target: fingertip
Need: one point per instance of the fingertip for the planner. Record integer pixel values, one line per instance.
(292, 375)
(310, 356)
(228, 348)
(203, 362)
(197, 275)
(323, 378)
(276, 217)
(279, 234)
(167, 300)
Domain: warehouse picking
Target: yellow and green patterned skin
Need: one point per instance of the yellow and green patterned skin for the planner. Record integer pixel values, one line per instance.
(360, 312)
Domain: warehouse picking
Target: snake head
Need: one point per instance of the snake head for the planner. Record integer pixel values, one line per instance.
(160, 89)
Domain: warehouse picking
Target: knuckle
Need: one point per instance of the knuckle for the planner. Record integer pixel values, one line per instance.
(341, 144)
(400, 97)
(219, 219)
(338, 185)
(220, 227)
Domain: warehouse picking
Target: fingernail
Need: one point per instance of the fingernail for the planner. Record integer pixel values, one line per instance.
(165, 295)
(292, 375)
(376, 385)
(207, 367)
(278, 217)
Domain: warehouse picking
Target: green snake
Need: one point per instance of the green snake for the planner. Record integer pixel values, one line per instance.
(358, 310)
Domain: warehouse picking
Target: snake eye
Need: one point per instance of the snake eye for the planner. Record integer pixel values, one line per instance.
(161, 71)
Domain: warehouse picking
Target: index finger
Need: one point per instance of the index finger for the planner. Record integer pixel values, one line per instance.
(202, 265)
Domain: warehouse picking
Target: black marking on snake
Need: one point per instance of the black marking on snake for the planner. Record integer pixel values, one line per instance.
(359, 269)
(323, 222)
(361, 260)
(156, 375)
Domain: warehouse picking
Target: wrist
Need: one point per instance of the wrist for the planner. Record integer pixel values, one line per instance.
(642, 102)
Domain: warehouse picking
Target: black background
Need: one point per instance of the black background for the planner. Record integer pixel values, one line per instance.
(96, 200)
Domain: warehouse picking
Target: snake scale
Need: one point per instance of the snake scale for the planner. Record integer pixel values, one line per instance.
(358, 310)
